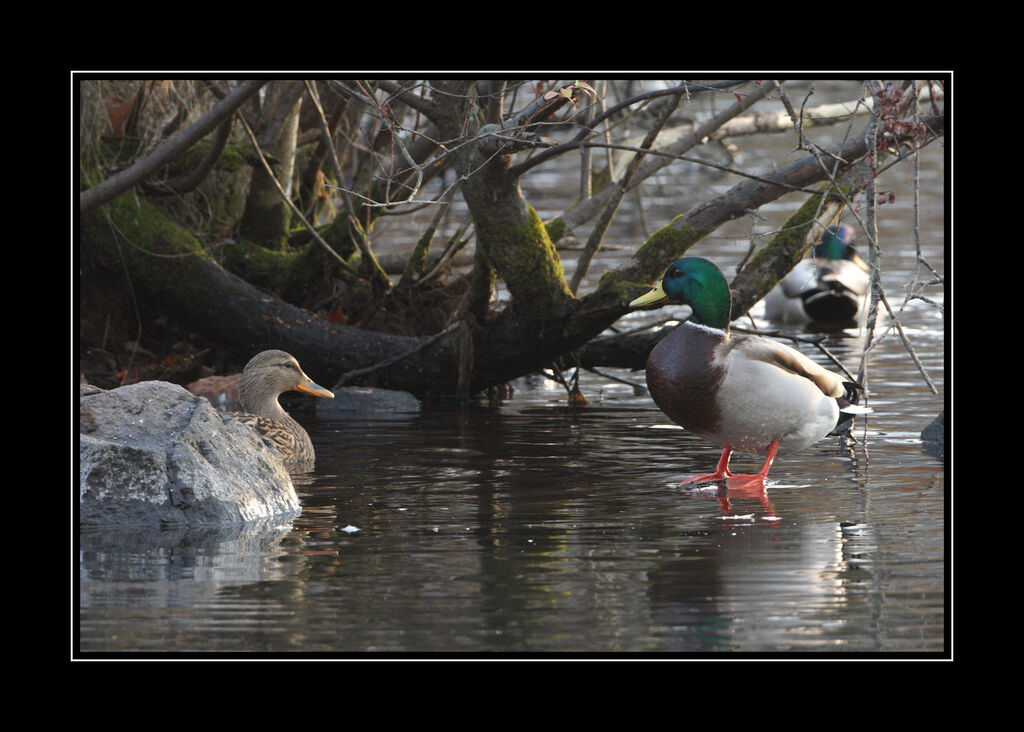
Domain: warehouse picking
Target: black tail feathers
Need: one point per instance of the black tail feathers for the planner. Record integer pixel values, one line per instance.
(848, 408)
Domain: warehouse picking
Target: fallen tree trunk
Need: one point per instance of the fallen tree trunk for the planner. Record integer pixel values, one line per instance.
(169, 267)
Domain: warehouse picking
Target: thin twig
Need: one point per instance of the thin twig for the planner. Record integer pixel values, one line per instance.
(354, 227)
(287, 199)
(354, 373)
(685, 88)
(871, 230)
(415, 276)
(455, 244)
(648, 326)
(877, 291)
(906, 342)
(627, 382)
(594, 240)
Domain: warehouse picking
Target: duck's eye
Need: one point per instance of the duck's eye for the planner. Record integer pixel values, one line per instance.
(675, 272)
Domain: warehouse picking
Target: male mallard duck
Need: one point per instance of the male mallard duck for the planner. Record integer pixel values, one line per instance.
(264, 379)
(745, 392)
(829, 287)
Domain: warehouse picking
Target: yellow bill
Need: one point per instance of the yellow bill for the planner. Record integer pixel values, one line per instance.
(308, 386)
(656, 295)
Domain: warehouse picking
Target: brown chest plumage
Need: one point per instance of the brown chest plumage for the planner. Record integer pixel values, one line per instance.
(292, 442)
(683, 379)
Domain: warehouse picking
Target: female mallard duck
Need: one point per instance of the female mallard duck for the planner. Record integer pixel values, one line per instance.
(827, 288)
(744, 393)
(264, 379)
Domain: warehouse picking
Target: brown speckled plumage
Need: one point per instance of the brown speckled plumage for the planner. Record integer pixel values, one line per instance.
(264, 379)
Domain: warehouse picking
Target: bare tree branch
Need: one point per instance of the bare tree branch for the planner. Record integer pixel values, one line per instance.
(291, 204)
(588, 209)
(189, 181)
(148, 166)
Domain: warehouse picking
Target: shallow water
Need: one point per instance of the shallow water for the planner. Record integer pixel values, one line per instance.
(534, 527)
(537, 528)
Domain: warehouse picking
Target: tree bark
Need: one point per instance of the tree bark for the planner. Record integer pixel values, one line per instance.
(169, 268)
(510, 235)
(266, 216)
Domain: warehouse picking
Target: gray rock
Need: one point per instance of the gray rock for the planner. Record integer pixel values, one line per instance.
(934, 436)
(152, 453)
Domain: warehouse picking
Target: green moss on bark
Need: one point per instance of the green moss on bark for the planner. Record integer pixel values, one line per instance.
(524, 257)
(776, 259)
(131, 221)
(648, 263)
(555, 229)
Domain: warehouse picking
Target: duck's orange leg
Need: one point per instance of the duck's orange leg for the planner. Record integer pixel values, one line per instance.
(758, 479)
(721, 470)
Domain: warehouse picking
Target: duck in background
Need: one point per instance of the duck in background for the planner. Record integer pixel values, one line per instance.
(827, 288)
(741, 392)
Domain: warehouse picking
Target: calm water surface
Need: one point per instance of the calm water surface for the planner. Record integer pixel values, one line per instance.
(534, 527)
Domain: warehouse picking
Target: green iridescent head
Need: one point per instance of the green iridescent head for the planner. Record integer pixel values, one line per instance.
(696, 282)
(835, 243)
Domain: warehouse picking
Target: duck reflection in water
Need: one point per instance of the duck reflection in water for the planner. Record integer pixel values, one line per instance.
(733, 501)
